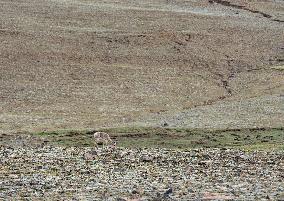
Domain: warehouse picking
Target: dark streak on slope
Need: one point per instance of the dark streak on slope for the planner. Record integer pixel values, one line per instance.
(229, 4)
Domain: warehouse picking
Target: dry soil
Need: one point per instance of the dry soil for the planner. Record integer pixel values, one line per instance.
(77, 64)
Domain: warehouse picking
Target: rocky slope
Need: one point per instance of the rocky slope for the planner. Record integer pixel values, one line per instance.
(35, 170)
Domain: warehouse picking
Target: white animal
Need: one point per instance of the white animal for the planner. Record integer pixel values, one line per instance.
(103, 138)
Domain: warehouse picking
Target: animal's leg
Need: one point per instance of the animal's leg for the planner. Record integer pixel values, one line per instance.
(96, 145)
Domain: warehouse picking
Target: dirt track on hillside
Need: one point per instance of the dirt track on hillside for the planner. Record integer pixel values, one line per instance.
(84, 64)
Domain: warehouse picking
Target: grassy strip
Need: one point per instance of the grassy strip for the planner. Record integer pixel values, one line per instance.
(277, 67)
(176, 138)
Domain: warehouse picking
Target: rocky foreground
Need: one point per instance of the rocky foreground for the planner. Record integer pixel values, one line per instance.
(58, 173)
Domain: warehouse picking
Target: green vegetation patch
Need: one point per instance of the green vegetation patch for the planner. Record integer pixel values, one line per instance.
(278, 67)
(67, 138)
(247, 139)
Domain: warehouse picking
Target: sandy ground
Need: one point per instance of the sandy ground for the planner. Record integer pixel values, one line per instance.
(77, 64)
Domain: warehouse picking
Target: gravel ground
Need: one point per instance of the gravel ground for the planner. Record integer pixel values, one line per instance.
(40, 171)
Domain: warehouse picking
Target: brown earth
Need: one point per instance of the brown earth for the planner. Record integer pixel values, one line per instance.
(83, 64)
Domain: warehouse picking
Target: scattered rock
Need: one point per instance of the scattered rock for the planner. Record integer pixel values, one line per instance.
(216, 196)
(139, 174)
(165, 124)
(168, 192)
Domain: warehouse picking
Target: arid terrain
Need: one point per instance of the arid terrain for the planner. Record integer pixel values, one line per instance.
(33, 170)
(191, 91)
(90, 64)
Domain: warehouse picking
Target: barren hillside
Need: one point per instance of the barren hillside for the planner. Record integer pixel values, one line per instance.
(80, 64)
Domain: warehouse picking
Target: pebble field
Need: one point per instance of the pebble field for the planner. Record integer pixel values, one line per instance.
(39, 171)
